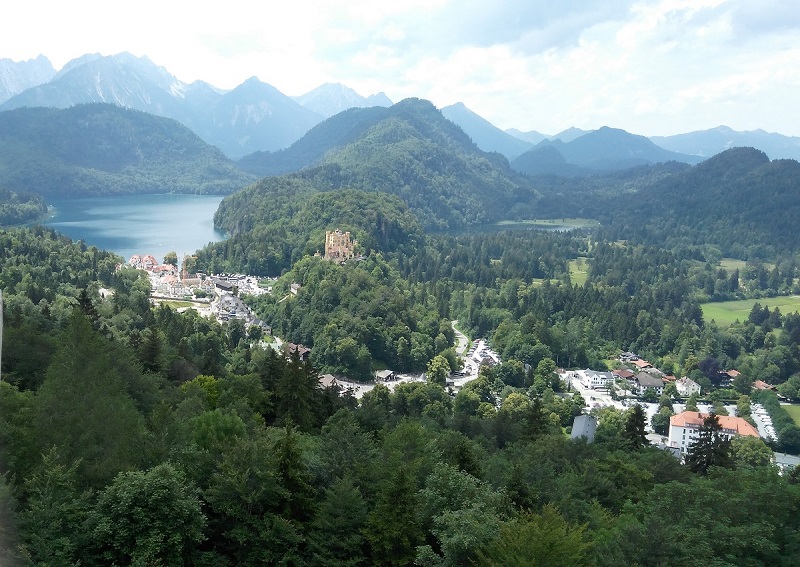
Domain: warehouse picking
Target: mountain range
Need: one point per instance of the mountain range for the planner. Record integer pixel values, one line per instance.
(253, 116)
(256, 117)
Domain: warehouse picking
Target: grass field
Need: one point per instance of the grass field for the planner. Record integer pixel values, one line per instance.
(725, 313)
(793, 411)
(578, 270)
(730, 264)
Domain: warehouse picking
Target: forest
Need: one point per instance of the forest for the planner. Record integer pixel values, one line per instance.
(135, 435)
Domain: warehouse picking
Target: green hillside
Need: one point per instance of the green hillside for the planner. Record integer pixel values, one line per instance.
(412, 151)
(96, 149)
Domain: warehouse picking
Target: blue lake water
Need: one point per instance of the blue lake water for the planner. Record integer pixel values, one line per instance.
(139, 224)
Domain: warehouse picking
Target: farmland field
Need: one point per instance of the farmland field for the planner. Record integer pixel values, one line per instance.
(725, 313)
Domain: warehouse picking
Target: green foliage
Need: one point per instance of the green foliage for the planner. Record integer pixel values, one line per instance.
(538, 539)
(83, 408)
(148, 518)
(20, 208)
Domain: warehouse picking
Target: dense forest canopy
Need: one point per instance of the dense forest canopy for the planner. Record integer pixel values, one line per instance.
(19, 208)
(138, 435)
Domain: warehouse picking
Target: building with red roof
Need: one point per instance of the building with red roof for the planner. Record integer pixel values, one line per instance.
(684, 428)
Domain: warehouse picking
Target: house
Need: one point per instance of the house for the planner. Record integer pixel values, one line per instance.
(623, 374)
(643, 381)
(641, 364)
(628, 357)
(293, 288)
(761, 385)
(327, 381)
(385, 375)
(223, 285)
(684, 428)
(686, 387)
(593, 379)
(302, 352)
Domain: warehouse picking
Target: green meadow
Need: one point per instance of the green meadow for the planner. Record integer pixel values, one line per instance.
(725, 313)
(794, 412)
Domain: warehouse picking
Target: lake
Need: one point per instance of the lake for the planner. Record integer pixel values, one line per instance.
(139, 224)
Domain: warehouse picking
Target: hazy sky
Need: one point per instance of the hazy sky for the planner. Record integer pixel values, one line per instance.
(653, 68)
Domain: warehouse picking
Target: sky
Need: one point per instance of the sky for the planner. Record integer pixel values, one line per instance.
(656, 67)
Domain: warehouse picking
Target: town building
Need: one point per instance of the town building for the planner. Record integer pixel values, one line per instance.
(645, 381)
(338, 246)
(593, 379)
(684, 428)
(686, 387)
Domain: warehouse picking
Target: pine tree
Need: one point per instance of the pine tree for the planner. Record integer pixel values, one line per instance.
(711, 449)
(633, 434)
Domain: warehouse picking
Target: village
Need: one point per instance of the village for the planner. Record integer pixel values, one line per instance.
(635, 381)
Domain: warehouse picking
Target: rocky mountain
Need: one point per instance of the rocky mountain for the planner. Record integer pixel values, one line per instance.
(96, 149)
(606, 149)
(707, 143)
(254, 116)
(486, 135)
(333, 98)
(16, 77)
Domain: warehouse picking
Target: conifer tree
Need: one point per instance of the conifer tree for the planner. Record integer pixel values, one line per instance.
(711, 449)
(633, 434)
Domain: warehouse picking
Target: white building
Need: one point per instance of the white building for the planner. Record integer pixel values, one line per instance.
(593, 379)
(686, 387)
(684, 428)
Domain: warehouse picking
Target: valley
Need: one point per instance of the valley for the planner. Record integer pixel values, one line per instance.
(591, 253)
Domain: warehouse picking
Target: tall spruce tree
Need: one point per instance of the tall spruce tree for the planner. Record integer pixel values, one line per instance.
(711, 449)
(633, 434)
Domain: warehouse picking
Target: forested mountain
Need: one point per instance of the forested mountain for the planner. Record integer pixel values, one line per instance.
(333, 98)
(277, 222)
(97, 149)
(254, 116)
(600, 150)
(710, 142)
(738, 201)
(486, 135)
(412, 151)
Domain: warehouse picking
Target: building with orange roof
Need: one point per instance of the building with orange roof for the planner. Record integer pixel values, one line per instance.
(684, 428)
(641, 364)
(761, 385)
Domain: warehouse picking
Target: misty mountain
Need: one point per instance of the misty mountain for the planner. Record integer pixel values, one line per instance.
(486, 135)
(532, 137)
(16, 77)
(606, 149)
(410, 150)
(333, 98)
(96, 149)
(569, 134)
(254, 116)
(710, 142)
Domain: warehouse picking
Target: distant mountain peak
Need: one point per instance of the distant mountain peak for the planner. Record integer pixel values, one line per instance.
(329, 99)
